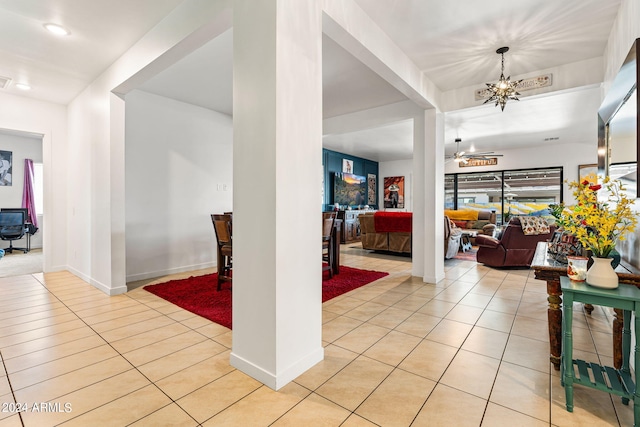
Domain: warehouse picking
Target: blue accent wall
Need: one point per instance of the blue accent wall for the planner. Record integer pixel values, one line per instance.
(332, 163)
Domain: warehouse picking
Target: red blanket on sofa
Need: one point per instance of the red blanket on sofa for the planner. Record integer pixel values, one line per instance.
(392, 222)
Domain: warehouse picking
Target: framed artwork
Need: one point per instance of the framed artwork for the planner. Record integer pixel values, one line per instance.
(371, 189)
(347, 166)
(588, 172)
(394, 192)
(6, 164)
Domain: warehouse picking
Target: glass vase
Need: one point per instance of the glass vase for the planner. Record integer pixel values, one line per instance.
(577, 268)
(601, 274)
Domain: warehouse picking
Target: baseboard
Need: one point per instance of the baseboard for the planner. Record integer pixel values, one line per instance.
(160, 273)
(98, 285)
(56, 268)
(78, 274)
(430, 279)
(278, 381)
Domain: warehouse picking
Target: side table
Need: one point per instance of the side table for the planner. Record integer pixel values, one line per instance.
(550, 271)
(605, 378)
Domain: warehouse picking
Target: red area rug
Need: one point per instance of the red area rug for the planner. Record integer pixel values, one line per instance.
(199, 295)
(467, 256)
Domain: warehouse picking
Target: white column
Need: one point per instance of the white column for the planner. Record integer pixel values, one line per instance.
(277, 121)
(429, 161)
(117, 192)
(419, 181)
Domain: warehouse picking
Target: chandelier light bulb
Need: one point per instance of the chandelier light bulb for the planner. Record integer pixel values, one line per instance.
(505, 89)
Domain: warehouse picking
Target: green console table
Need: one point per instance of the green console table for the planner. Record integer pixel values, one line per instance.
(605, 378)
(550, 271)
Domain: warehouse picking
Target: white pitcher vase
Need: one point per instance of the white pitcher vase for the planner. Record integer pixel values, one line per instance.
(601, 274)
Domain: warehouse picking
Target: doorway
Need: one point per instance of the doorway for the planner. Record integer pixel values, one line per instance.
(17, 146)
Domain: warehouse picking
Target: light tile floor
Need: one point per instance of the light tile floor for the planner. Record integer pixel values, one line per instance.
(471, 350)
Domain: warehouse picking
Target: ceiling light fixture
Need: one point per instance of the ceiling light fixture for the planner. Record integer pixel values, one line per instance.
(23, 86)
(56, 29)
(505, 89)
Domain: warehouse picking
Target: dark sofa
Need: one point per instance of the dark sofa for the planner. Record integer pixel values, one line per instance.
(513, 248)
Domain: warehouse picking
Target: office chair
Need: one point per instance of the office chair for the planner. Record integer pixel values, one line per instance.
(12, 228)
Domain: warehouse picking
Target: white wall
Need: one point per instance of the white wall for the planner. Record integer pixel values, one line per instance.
(96, 208)
(397, 168)
(626, 29)
(22, 147)
(577, 74)
(179, 161)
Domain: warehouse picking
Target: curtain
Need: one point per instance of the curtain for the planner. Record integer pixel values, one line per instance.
(27, 192)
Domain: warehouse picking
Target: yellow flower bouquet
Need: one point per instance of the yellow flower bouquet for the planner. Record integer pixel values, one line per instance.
(599, 221)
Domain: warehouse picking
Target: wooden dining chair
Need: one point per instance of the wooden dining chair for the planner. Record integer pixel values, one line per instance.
(222, 227)
(328, 257)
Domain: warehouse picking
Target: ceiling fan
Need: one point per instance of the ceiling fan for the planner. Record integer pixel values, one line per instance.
(461, 156)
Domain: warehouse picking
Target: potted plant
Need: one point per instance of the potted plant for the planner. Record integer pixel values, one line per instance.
(599, 219)
(555, 210)
(506, 217)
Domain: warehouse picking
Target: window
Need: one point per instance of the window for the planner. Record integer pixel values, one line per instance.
(38, 187)
(518, 192)
(449, 191)
(480, 191)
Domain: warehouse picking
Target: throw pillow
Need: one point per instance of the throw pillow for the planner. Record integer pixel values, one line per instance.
(481, 223)
(534, 225)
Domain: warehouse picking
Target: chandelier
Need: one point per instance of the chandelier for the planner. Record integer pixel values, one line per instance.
(504, 89)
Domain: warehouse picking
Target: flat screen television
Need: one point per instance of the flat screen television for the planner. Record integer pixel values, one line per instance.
(349, 189)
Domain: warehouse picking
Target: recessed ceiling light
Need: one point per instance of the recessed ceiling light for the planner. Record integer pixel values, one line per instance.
(23, 86)
(56, 29)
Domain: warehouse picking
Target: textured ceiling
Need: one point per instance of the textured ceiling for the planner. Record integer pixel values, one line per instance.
(453, 42)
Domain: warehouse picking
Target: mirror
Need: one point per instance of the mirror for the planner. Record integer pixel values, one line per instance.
(618, 143)
(622, 141)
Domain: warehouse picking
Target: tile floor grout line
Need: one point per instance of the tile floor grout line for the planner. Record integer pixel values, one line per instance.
(118, 354)
(11, 388)
(504, 350)
(398, 367)
(531, 312)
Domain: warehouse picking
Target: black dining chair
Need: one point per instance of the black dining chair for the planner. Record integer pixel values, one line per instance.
(328, 257)
(222, 227)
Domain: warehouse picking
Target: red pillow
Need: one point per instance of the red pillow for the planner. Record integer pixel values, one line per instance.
(461, 224)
